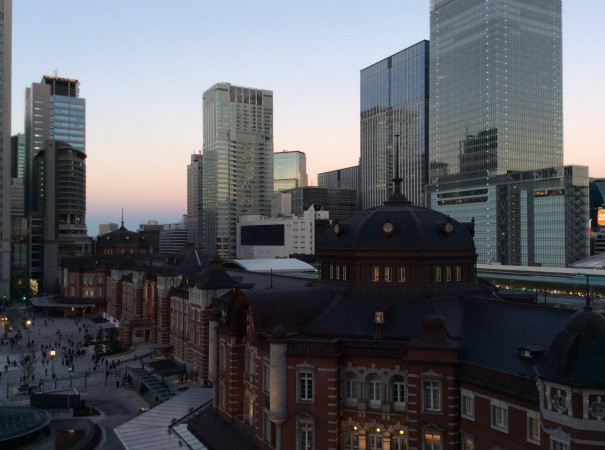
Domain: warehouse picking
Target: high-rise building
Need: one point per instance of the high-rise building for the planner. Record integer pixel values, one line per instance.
(54, 111)
(347, 178)
(105, 228)
(59, 209)
(195, 229)
(290, 170)
(6, 24)
(18, 156)
(394, 101)
(495, 122)
(238, 161)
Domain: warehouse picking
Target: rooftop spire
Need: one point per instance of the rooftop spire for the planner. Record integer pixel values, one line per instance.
(397, 196)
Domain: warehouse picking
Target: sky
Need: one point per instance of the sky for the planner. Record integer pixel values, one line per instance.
(143, 66)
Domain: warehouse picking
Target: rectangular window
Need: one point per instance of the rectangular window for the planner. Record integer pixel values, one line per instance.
(500, 415)
(399, 442)
(467, 405)
(432, 441)
(468, 441)
(331, 271)
(432, 396)
(221, 394)
(558, 445)
(457, 273)
(305, 386)
(338, 271)
(533, 427)
(375, 442)
(266, 379)
(351, 388)
(438, 274)
(379, 317)
(222, 355)
(399, 391)
(351, 441)
(401, 275)
(266, 426)
(344, 273)
(388, 274)
(375, 273)
(305, 436)
(448, 273)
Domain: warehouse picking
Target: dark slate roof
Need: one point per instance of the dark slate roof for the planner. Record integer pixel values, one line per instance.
(266, 280)
(215, 277)
(121, 236)
(416, 229)
(218, 434)
(494, 333)
(17, 421)
(577, 356)
(287, 307)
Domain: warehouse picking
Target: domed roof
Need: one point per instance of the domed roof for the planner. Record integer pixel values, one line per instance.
(399, 225)
(121, 236)
(577, 355)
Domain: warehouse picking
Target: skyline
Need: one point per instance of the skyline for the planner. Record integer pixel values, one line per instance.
(141, 74)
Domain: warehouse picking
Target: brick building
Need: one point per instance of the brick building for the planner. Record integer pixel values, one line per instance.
(398, 346)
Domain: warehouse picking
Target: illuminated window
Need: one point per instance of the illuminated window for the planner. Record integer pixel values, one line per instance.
(375, 273)
(379, 317)
(468, 441)
(432, 441)
(388, 274)
(305, 435)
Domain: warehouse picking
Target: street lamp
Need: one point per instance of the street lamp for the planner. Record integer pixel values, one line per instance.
(28, 322)
(52, 358)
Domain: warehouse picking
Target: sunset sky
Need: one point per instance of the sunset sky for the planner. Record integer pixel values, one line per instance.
(144, 64)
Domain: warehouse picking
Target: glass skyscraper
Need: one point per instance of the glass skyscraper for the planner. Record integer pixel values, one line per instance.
(237, 163)
(394, 101)
(289, 170)
(496, 89)
(496, 131)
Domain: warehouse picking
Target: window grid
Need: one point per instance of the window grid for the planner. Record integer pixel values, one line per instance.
(432, 396)
(305, 386)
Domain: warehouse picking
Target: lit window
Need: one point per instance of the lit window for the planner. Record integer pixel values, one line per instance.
(305, 436)
(374, 391)
(432, 441)
(398, 390)
(305, 385)
(432, 396)
(379, 317)
(533, 427)
(468, 441)
(375, 273)
(401, 275)
(388, 274)
(500, 415)
(467, 404)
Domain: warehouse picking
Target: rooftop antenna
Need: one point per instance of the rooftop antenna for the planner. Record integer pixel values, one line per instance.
(122, 217)
(56, 73)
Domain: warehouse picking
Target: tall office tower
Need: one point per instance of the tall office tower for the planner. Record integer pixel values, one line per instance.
(195, 229)
(105, 228)
(53, 110)
(18, 156)
(238, 161)
(6, 24)
(290, 170)
(496, 111)
(347, 178)
(394, 101)
(59, 206)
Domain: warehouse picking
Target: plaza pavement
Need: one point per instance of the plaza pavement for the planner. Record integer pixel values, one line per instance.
(58, 333)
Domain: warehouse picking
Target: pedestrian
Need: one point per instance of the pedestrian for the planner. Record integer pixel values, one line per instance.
(117, 384)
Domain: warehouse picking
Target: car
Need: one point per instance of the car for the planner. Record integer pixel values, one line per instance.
(143, 409)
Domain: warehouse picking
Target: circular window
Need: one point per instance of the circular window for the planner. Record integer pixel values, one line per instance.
(388, 227)
(597, 409)
(559, 403)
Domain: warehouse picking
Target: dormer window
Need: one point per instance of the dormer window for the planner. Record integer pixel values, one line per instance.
(401, 274)
(375, 274)
(438, 274)
(388, 274)
(379, 317)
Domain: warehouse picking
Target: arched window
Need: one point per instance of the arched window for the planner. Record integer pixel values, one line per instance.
(374, 394)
